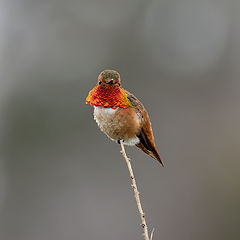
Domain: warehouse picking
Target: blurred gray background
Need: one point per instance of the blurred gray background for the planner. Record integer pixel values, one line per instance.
(60, 177)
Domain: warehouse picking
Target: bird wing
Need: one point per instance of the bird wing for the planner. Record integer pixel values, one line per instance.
(145, 134)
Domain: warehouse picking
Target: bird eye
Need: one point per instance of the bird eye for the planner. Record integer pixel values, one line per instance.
(119, 84)
(99, 82)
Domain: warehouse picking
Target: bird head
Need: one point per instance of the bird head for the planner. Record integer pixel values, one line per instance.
(109, 78)
(108, 92)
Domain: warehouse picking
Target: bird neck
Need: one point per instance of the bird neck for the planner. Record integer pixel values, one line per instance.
(108, 97)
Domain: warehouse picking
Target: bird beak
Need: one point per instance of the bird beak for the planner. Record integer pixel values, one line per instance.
(111, 81)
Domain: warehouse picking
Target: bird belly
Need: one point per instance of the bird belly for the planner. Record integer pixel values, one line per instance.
(131, 141)
(118, 123)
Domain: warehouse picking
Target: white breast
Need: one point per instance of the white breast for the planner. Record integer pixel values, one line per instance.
(104, 111)
(102, 116)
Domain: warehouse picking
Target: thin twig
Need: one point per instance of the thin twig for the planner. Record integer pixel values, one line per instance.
(136, 194)
(151, 236)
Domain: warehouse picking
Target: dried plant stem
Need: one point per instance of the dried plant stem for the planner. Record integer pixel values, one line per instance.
(136, 194)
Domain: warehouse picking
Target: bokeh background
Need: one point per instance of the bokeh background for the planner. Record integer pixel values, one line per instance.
(60, 177)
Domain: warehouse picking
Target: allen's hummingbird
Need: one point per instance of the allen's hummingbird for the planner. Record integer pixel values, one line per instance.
(120, 115)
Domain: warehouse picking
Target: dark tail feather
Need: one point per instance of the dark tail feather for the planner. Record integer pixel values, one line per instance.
(157, 156)
(148, 146)
(154, 154)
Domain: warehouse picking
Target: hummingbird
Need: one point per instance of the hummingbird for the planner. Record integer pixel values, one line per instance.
(120, 115)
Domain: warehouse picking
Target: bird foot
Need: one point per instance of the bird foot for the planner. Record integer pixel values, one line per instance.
(119, 140)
